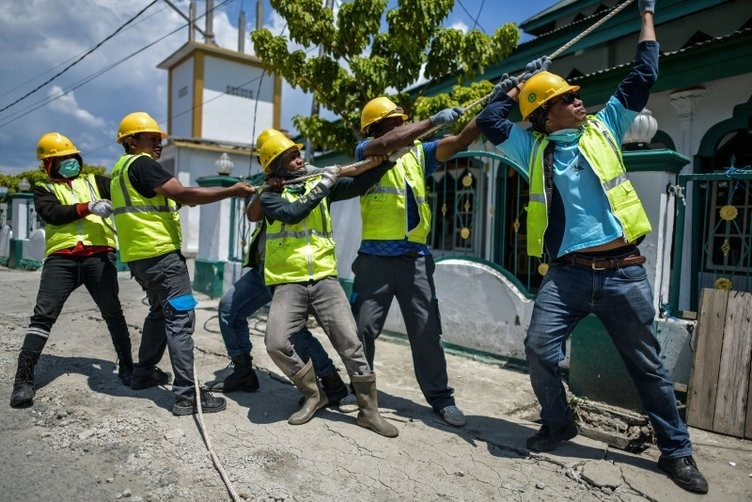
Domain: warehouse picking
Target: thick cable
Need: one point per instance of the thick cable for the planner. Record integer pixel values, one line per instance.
(207, 441)
(300, 179)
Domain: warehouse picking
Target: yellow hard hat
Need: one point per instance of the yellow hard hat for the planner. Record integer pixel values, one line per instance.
(540, 89)
(137, 122)
(271, 144)
(378, 109)
(54, 144)
(266, 134)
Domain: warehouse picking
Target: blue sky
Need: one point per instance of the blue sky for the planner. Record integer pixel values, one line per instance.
(40, 39)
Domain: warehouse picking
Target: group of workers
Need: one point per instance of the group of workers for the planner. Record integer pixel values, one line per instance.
(583, 212)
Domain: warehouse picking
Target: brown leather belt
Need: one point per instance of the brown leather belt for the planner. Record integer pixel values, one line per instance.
(603, 262)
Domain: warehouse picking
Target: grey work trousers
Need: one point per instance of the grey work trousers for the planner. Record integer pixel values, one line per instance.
(379, 279)
(326, 300)
(171, 319)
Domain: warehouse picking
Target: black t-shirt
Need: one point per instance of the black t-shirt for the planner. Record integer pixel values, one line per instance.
(145, 174)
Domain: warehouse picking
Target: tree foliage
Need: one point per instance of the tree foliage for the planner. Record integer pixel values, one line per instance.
(11, 181)
(345, 59)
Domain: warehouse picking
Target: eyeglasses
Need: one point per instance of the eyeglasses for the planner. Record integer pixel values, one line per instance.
(568, 98)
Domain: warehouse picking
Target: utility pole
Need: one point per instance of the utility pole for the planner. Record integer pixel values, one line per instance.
(314, 103)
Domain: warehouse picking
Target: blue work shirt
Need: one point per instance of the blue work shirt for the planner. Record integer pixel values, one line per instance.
(580, 215)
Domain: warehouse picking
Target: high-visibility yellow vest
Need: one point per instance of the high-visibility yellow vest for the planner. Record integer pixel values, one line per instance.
(602, 151)
(90, 230)
(147, 227)
(383, 209)
(303, 251)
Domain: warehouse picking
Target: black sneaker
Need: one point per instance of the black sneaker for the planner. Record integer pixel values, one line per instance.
(209, 404)
(151, 378)
(684, 472)
(548, 438)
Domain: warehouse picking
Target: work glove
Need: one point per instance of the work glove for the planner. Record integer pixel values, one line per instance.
(535, 66)
(101, 207)
(329, 175)
(646, 6)
(506, 83)
(447, 116)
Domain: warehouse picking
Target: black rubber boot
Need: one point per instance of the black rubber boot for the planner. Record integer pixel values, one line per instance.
(242, 378)
(23, 386)
(334, 388)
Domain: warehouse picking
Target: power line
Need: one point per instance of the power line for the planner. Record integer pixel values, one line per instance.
(475, 20)
(50, 70)
(79, 59)
(40, 104)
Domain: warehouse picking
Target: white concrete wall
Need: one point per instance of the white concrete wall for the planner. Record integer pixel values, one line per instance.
(234, 118)
(181, 124)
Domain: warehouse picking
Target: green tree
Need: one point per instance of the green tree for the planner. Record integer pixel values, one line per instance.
(11, 181)
(358, 62)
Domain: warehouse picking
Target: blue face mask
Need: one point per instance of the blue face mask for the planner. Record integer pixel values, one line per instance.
(69, 168)
(565, 135)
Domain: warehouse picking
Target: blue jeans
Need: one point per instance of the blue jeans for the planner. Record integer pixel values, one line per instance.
(242, 300)
(622, 299)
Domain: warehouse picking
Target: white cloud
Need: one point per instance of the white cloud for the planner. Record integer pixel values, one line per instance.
(459, 25)
(65, 103)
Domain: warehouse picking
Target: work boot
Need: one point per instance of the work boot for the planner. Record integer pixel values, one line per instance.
(125, 361)
(369, 416)
(334, 388)
(152, 377)
(305, 381)
(209, 404)
(23, 386)
(548, 438)
(243, 377)
(684, 472)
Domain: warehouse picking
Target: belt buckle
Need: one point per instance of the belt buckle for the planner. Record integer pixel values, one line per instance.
(592, 265)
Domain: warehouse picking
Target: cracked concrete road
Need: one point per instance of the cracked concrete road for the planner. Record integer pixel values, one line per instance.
(89, 438)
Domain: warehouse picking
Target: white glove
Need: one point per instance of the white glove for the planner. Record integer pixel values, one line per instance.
(329, 175)
(101, 207)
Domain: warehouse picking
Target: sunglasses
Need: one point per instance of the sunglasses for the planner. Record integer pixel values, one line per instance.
(568, 98)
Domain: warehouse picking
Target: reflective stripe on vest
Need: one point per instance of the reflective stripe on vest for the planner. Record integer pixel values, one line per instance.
(89, 230)
(383, 208)
(302, 251)
(147, 227)
(603, 153)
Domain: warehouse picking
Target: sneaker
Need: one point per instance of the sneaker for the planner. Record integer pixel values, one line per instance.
(209, 404)
(684, 472)
(151, 378)
(548, 438)
(348, 404)
(453, 415)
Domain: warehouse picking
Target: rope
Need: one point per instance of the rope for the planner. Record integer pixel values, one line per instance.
(207, 441)
(563, 48)
(300, 179)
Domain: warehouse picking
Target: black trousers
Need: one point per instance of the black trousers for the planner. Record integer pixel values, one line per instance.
(61, 275)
